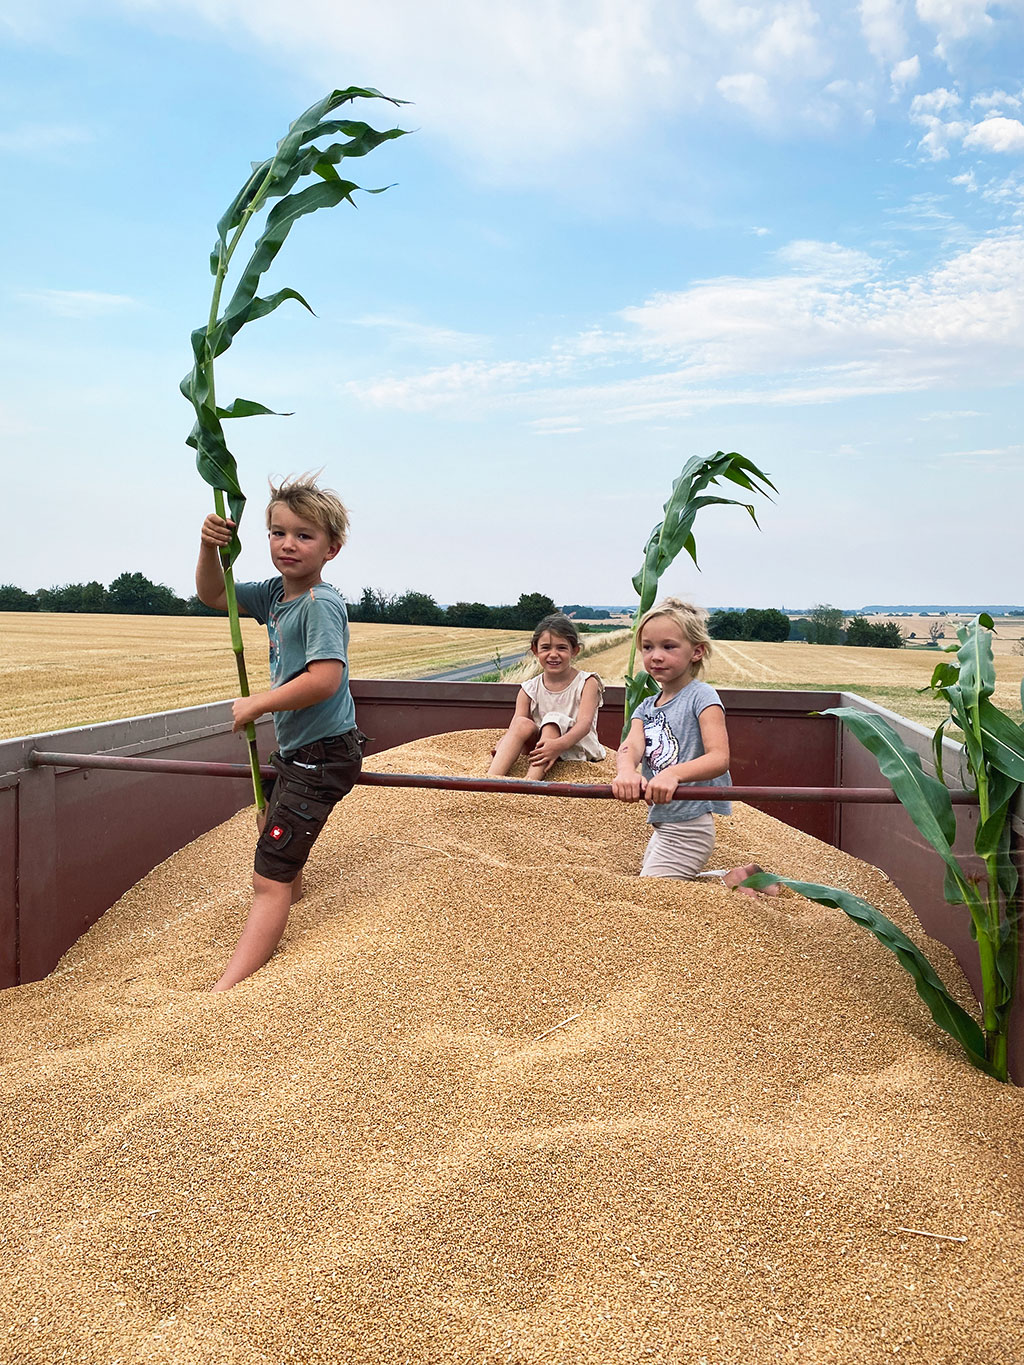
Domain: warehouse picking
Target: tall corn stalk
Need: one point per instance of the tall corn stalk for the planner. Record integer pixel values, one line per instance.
(993, 755)
(674, 533)
(297, 156)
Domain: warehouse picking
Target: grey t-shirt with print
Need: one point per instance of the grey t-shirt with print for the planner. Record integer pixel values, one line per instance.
(672, 735)
(303, 630)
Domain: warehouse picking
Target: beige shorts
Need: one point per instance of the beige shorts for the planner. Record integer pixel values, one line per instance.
(679, 850)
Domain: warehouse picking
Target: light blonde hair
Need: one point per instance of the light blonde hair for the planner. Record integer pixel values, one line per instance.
(691, 620)
(322, 506)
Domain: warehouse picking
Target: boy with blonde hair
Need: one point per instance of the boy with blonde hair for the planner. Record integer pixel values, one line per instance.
(319, 747)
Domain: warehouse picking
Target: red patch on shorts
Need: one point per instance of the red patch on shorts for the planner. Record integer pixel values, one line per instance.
(276, 833)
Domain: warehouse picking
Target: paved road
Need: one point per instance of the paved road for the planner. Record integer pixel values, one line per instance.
(471, 671)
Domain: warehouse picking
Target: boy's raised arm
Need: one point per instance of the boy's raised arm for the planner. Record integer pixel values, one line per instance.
(209, 574)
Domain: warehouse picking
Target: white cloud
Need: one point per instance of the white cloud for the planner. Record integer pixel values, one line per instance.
(882, 24)
(749, 91)
(997, 99)
(905, 74)
(934, 103)
(954, 20)
(789, 42)
(997, 134)
(829, 328)
(927, 110)
(519, 88)
(78, 303)
(422, 334)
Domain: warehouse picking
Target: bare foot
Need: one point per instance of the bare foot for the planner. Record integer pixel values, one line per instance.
(736, 875)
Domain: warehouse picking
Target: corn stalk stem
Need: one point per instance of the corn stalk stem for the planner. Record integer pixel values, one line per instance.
(218, 500)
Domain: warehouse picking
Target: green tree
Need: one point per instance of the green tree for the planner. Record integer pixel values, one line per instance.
(726, 625)
(826, 626)
(373, 605)
(17, 599)
(878, 635)
(474, 614)
(195, 606)
(73, 597)
(415, 609)
(765, 623)
(859, 632)
(531, 608)
(133, 594)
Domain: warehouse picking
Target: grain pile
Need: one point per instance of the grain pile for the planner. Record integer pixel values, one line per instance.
(496, 1099)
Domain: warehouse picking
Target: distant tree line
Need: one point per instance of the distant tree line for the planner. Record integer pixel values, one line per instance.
(419, 609)
(880, 634)
(133, 594)
(130, 594)
(755, 623)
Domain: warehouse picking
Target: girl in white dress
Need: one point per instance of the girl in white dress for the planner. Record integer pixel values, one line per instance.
(556, 712)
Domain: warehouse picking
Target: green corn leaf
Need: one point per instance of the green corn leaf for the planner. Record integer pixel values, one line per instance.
(245, 407)
(241, 311)
(674, 534)
(1002, 740)
(938, 744)
(960, 713)
(945, 675)
(1006, 870)
(977, 669)
(1007, 958)
(947, 1013)
(925, 799)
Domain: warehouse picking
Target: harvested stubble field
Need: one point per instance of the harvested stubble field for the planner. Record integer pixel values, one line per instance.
(497, 1099)
(890, 677)
(61, 670)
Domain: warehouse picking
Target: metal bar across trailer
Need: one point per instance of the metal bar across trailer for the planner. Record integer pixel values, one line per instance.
(511, 786)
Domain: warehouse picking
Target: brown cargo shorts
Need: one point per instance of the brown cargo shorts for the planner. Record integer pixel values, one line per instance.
(310, 783)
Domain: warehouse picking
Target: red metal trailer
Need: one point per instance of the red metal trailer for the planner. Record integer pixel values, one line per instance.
(74, 838)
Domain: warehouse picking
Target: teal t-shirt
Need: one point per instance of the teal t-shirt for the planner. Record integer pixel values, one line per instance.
(311, 627)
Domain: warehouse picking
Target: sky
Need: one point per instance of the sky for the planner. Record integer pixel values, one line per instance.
(619, 234)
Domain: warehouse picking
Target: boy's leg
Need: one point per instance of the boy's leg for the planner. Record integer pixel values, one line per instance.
(300, 803)
(271, 902)
(520, 735)
(261, 820)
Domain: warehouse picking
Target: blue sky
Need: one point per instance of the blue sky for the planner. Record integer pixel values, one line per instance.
(621, 234)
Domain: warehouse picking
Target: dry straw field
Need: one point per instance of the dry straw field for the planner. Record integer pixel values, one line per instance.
(890, 677)
(60, 670)
(497, 1099)
(64, 670)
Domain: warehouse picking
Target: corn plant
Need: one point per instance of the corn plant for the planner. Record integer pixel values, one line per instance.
(298, 155)
(993, 761)
(675, 533)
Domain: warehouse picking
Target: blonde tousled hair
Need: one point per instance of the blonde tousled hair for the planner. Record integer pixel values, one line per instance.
(691, 620)
(322, 506)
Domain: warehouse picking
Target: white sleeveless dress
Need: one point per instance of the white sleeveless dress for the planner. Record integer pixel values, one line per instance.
(563, 709)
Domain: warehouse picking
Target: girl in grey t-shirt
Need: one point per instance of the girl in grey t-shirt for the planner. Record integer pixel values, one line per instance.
(679, 736)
